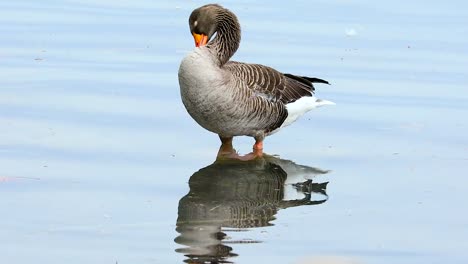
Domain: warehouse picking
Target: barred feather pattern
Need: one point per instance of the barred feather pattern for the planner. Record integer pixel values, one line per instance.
(267, 90)
(232, 98)
(271, 88)
(228, 36)
(270, 83)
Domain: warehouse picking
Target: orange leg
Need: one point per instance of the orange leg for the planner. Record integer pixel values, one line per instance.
(226, 140)
(258, 147)
(226, 146)
(226, 151)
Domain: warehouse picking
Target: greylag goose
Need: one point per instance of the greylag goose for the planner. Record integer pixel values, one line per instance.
(233, 98)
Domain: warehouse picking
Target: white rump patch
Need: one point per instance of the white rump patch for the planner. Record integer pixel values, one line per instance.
(302, 106)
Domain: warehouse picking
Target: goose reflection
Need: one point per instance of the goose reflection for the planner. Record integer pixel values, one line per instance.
(232, 195)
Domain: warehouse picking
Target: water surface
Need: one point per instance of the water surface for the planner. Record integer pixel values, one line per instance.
(100, 163)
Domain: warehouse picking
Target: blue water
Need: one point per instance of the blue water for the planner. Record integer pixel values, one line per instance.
(100, 163)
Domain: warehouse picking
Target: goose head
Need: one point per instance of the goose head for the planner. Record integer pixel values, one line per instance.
(213, 19)
(203, 23)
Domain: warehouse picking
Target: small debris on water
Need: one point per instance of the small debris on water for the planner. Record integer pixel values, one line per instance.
(351, 32)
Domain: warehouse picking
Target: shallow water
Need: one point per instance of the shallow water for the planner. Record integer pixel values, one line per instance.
(100, 163)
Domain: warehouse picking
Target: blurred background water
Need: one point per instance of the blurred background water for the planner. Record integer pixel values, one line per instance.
(100, 163)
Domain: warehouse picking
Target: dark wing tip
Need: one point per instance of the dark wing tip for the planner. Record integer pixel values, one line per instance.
(306, 80)
(315, 80)
(299, 79)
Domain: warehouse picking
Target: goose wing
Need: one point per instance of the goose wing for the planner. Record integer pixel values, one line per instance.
(271, 84)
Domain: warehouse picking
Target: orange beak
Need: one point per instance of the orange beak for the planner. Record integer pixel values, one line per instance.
(200, 39)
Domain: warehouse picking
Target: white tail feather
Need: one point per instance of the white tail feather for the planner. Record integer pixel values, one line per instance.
(302, 106)
(321, 102)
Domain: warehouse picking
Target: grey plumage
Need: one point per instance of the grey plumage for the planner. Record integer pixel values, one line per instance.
(232, 98)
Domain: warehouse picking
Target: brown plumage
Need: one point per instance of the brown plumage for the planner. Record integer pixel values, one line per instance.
(272, 84)
(233, 98)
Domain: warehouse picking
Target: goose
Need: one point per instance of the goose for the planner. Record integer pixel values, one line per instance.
(232, 98)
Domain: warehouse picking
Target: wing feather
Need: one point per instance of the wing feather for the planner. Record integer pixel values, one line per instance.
(271, 84)
(272, 87)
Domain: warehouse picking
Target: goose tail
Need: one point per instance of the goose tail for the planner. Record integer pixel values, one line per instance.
(298, 108)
